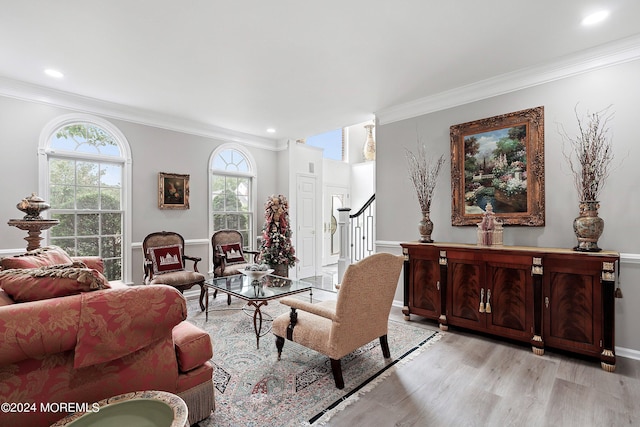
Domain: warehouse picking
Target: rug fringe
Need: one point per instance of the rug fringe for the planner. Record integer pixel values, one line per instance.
(371, 385)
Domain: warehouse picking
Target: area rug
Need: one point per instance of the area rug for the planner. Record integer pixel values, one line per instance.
(253, 388)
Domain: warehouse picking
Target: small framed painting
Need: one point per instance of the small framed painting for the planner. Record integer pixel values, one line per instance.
(499, 160)
(173, 191)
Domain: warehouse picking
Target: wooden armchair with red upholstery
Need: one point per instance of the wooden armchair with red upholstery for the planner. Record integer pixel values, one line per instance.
(230, 255)
(165, 263)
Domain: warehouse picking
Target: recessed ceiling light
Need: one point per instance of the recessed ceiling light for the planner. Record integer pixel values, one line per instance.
(271, 130)
(594, 18)
(53, 73)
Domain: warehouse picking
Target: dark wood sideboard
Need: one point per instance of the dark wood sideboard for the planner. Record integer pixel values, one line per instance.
(549, 297)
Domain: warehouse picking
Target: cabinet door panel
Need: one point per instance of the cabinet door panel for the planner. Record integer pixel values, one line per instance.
(464, 285)
(511, 292)
(425, 296)
(571, 309)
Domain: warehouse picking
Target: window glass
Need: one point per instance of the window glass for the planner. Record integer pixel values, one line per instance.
(331, 142)
(231, 197)
(231, 161)
(84, 138)
(85, 194)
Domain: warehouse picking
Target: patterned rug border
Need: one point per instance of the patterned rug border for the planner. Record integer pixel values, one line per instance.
(354, 395)
(342, 401)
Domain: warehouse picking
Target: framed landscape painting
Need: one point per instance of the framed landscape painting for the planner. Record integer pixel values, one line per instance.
(499, 160)
(173, 191)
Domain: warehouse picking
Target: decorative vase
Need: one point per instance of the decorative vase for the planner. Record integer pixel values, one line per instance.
(588, 227)
(425, 228)
(370, 144)
(32, 206)
(281, 270)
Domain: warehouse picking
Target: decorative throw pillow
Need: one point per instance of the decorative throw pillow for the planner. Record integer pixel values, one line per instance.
(232, 253)
(166, 259)
(40, 257)
(33, 284)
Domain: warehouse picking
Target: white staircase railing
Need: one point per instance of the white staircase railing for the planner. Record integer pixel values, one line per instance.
(357, 235)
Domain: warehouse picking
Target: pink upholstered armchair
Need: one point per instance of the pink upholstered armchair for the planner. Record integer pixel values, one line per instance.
(360, 314)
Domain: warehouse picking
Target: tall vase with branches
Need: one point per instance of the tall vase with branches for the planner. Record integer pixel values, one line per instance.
(423, 173)
(589, 156)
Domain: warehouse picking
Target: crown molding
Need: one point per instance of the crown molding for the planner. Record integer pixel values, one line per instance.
(618, 52)
(29, 92)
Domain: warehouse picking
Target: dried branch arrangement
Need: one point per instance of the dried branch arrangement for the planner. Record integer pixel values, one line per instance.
(589, 154)
(423, 172)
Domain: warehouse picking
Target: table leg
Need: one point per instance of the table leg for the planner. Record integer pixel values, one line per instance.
(206, 305)
(257, 319)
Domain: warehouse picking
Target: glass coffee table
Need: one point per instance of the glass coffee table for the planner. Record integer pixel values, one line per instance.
(256, 293)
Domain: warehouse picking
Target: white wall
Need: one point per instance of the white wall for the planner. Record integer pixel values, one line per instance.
(363, 184)
(398, 212)
(307, 161)
(356, 136)
(153, 150)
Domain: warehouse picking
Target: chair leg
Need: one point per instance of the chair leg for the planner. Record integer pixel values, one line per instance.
(202, 295)
(337, 373)
(215, 294)
(384, 344)
(279, 345)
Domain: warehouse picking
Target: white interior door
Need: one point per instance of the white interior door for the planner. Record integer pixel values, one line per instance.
(306, 220)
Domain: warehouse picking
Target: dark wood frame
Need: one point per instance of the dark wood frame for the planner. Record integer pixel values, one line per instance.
(533, 120)
(167, 179)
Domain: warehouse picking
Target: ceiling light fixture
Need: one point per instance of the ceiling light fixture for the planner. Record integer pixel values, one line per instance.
(53, 73)
(594, 18)
(271, 130)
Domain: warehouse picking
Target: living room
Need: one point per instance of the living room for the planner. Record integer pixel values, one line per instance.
(591, 77)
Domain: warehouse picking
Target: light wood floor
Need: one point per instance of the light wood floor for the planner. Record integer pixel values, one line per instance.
(470, 380)
(466, 379)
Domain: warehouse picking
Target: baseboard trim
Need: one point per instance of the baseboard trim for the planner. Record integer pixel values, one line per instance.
(629, 353)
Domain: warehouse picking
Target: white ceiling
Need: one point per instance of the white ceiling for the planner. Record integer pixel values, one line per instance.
(301, 67)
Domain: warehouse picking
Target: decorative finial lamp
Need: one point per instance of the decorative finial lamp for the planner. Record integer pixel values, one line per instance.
(32, 222)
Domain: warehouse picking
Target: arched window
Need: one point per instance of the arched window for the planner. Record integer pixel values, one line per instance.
(231, 185)
(84, 174)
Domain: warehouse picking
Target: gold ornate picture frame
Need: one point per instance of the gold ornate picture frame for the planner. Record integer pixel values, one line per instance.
(499, 160)
(173, 191)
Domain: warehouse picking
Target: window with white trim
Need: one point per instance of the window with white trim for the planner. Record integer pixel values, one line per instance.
(232, 192)
(85, 186)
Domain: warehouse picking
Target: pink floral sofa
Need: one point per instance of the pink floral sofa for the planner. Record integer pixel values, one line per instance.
(68, 336)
